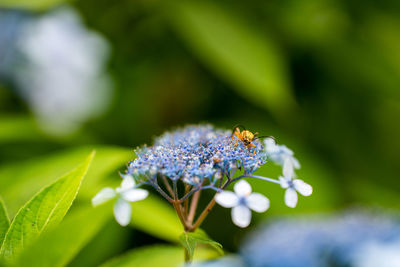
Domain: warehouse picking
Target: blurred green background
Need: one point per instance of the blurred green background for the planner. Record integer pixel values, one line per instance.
(322, 76)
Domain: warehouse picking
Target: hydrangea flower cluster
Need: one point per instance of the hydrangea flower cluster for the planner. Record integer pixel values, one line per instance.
(195, 154)
(188, 160)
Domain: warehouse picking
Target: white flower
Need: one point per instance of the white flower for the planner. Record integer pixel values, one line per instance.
(241, 202)
(293, 185)
(126, 193)
(279, 153)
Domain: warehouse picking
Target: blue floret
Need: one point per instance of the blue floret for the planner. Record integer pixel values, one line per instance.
(195, 153)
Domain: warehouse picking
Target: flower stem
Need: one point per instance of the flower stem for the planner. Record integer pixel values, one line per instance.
(203, 215)
(207, 210)
(167, 185)
(158, 188)
(178, 208)
(186, 202)
(187, 255)
(193, 206)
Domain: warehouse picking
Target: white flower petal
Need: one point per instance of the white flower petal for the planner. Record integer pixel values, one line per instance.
(286, 151)
(241, 216)
(122, 212)
(227, 199)
(103, 196)
(242, 188)
(296, 163)
(271, 146)
(302, 187)
(288, 168)
(257, 202)
(291, 197)
(284, 182)
(134, 194)
(127, 183)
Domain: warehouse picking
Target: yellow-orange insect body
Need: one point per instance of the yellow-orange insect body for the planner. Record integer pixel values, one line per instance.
(246, 136)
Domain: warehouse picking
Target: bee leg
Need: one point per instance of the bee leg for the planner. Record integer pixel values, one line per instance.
(234, 132)
(238, 136)
(255, 148)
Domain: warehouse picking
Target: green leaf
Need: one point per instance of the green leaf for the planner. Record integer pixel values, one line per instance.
(59, 245)
(20, 181)
(156, 217)
(191, 240)
(18, 128)
(30, 4)
(4, 221)
(98, 250)
(159, 255)
(250, 60)
(47, 208)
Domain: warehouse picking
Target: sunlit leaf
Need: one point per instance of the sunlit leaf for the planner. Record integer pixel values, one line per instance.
(249, 59)
(4, 221)
(59, 245)
(19, 181)
(191, 240)
(159, 255)
(47, 208)
(30, 4)
(156, 217)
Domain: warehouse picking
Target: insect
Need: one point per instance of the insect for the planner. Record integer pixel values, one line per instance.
(246, 136)
(216, 160)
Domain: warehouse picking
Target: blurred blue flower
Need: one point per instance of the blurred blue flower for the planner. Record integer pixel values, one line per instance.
(57, 66)
(353, 239)
(226, 261)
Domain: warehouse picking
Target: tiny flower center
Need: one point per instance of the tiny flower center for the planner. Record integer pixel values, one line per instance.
(243, 201)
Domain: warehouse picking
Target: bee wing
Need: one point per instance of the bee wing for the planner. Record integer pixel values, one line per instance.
(265, 136)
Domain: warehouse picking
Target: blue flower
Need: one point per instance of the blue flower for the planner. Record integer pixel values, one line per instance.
(351, 239)
(194, 154)
(202, 157)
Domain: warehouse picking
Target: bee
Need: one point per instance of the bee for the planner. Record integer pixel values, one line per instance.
(216, 160)
(246, 136)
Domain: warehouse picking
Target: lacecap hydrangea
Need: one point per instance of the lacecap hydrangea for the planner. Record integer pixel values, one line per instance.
(183, 162)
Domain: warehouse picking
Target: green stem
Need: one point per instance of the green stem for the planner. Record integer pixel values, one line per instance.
(187, 255)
